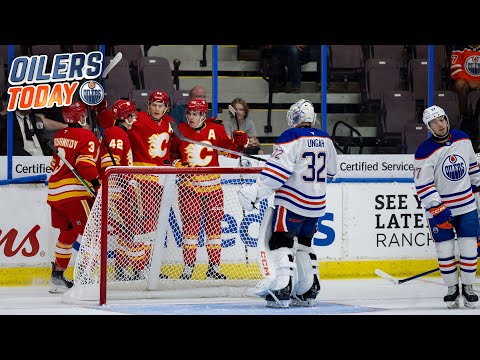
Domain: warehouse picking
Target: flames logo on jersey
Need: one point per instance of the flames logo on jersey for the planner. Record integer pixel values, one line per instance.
(454, 167)
(472, 65)
(158, 145)
(193, 152)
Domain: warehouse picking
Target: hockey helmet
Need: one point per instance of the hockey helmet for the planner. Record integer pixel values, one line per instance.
(433, 112)
(73, 113)
(123, 108)
(159, 96)
(197, 105)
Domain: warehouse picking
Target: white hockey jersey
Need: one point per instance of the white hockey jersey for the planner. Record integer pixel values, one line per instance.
(446, 172)
(302, 159)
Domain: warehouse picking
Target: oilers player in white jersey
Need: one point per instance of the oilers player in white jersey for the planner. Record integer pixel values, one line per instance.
(447, 176)
(303, 158)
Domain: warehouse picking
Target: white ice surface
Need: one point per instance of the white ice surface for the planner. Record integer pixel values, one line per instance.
(423, 296)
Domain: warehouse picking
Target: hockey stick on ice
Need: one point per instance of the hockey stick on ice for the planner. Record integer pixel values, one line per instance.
(182, 137)
(390, 278)
(72, 169)
(242, 230)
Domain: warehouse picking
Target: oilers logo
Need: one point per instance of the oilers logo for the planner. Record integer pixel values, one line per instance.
(472, 65)
(91, 92)
(454, 167)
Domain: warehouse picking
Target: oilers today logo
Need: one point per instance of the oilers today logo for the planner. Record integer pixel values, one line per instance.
(454, 167)
(91, 92)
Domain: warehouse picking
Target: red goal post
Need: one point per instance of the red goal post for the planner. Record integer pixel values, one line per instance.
(147, 222)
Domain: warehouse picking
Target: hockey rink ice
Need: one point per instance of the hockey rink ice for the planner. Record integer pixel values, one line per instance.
(376, 296)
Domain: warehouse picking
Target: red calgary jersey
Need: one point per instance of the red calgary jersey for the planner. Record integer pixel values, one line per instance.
(465, 63)
(196, 155)
(150, 140)
(119, 144)
(80, 148)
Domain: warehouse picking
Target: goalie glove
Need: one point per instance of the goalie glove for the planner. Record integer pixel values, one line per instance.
(442, 216)
(240, 138)
(249, 196)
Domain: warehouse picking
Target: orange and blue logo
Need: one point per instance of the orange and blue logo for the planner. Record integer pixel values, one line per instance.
(33, 86)
(91, 92)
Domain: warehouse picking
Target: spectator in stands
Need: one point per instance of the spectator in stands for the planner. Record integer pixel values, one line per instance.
(465, 72)
(179, 112)
(29, 136)
(294, 56)
(244, 124)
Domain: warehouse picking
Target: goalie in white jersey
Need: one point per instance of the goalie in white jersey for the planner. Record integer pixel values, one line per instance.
(303, 158)
(447, 176)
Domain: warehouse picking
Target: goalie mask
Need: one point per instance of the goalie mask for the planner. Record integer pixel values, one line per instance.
(301, 112)
(432, 113)
(73, 114)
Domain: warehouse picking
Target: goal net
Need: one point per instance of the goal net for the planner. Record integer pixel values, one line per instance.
(167, 232)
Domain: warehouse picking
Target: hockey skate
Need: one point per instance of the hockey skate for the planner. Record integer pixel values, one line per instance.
(213, 272)
(279, 298)
(307, 299)
(469, 297)
(187, 272)
(58, 283)
(452, 299)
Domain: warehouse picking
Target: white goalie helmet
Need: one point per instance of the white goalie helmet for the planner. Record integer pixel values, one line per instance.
(431, 113)
(301, 111)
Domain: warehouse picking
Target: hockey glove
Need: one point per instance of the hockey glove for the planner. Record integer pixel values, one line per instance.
(240, 138)
(475, 189)
(96, 185)
(99, 107)
(442, 216)
(248, 196)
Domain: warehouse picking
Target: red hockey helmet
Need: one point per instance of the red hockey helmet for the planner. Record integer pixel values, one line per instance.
(197, 105)
(73, 113)
(123, 108)
(159, 96)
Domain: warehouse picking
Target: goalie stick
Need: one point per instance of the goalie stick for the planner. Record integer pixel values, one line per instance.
(182, 137)
(242, 229)
(66, 162)
(390, 278)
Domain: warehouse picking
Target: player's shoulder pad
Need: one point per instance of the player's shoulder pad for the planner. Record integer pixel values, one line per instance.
(214, 120)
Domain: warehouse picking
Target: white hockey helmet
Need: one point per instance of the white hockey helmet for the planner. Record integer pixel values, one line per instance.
(433, 112)
(301, 111)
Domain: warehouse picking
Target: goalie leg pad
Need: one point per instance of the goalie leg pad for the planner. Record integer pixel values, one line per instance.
(284, 268)
(447, 261)
(277, 288)
(468, 259)
(307, 286)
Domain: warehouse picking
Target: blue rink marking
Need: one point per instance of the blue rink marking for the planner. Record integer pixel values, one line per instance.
(320, 308)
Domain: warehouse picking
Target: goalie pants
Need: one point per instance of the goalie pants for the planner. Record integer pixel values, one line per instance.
(286, 221)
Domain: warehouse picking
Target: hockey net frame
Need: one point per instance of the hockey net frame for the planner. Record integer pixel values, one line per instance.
(96, 276)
